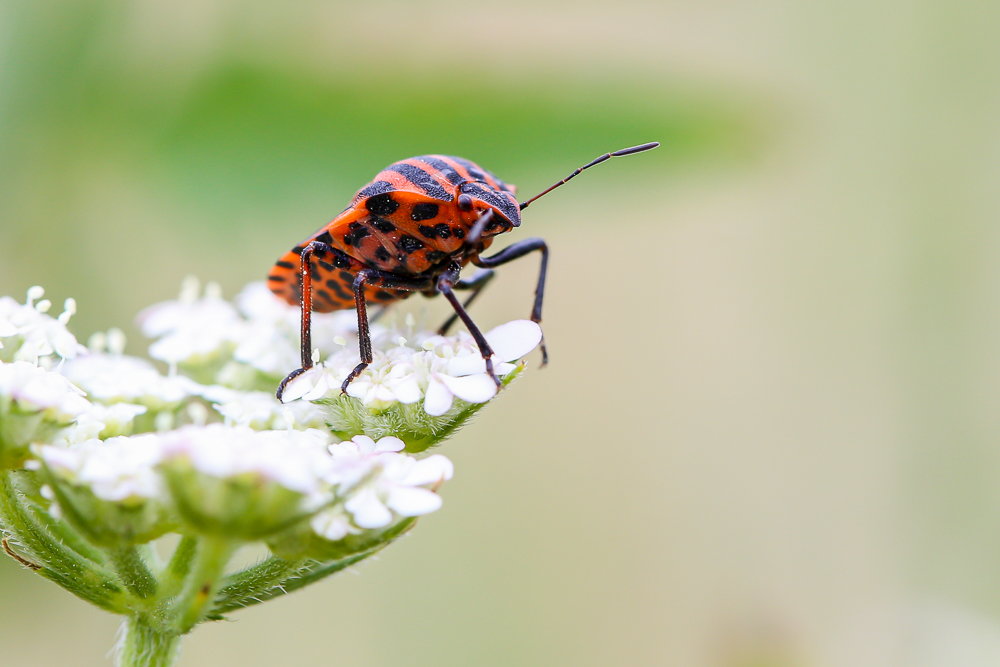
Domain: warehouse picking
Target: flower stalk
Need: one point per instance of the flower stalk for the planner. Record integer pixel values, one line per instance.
(143, 645)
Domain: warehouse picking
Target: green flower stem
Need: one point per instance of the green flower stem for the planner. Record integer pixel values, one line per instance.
(133, 572)
(55, 561)
(195, 600)
(142, 645)
(172, 578)
(62, 532)
(275, 577)
(253, 584)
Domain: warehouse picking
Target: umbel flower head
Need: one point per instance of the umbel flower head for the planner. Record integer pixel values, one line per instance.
(102, 453)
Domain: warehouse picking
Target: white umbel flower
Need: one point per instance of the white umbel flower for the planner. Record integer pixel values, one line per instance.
(262, 411)
(32, 334)
(245, 484)
(381, 481)
(112, 378)
(443, 369)
(105, 420)
(294, 459)
(192, 327)
(32, 389)
(119, 469)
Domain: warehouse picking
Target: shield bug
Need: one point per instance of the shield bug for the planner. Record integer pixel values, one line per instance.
(412, 229)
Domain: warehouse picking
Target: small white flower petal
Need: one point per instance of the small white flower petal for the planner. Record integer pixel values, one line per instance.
(406, 389)
(431, 470)
(466, 364)
(413, 501)
(438, 399)
(367, 509)
(300, 386)
(513, 340)
(332, 524)
(389, 443)
(470, 388)
(365, 444)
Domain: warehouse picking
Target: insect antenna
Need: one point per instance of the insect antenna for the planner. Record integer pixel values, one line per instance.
(606, 156)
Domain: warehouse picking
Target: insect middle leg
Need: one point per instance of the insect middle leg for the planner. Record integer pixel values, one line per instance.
(476, 283)
(515, 251)
(445, 285)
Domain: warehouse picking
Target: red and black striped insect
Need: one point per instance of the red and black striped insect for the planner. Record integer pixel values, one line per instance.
(412, 229)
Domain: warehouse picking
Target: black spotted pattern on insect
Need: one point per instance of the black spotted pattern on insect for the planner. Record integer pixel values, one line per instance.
(412, 229)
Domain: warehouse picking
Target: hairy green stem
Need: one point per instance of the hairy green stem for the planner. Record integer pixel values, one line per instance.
(55, 561)
(199, 590)
(142, 645)
(133, 572)
(177, 569)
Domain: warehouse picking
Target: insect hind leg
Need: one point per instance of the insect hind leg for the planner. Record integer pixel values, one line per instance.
(364, 278)
(305, 302)
(516, 251)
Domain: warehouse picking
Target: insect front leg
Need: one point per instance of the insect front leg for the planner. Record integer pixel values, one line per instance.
(476, 284)
(512, 252)
(445, 285)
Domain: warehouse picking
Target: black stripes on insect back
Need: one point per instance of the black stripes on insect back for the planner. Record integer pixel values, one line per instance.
(474, 170)
(504, 205)
(478, 173)
(374, 188)
(421, 179)
(446, 169)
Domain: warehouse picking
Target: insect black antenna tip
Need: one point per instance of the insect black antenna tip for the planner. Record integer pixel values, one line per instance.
(607, 156)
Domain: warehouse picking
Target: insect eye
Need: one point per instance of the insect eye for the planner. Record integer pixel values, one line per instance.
(464, 202)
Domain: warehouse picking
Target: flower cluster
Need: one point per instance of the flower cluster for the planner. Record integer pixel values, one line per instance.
(235, 481)
(101, 452)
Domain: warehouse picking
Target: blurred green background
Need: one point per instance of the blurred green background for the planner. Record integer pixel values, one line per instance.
(769, 432)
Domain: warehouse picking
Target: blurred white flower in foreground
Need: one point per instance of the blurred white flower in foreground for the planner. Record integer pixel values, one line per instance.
(35, 405)
(260, 333)
(28, 333)
(118, 469)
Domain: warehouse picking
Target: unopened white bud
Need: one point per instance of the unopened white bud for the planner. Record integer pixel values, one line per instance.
(116, 340)
(197, 413)
(164, 421)
(35, 292)
(69, 310)
(98, 342)
(190, 288)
